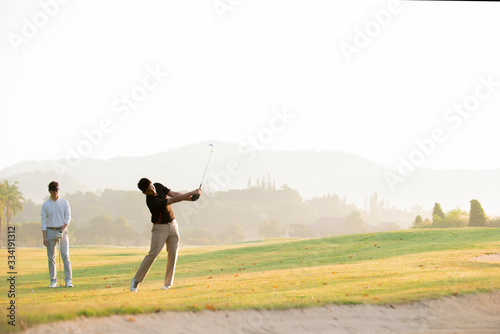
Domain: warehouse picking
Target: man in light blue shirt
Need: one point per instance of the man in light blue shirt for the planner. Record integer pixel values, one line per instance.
(56, 215)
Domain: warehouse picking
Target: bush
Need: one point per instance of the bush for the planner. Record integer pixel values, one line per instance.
(453, 218)
(477, 215)
(419, 223)
(456, 218)
(494, 222)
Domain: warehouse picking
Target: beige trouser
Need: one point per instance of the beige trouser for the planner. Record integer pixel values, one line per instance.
(161, 234)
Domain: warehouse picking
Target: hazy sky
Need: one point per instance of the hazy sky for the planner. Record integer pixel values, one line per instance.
(129, 78)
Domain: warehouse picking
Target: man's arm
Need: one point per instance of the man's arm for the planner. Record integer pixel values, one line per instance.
(64, 227)
(43, 220)
(67, 217)
(172, 193)
(178, 197)
(45, 240)
(44, 215)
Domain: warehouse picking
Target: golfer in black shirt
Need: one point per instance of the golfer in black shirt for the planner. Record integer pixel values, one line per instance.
(165, 231)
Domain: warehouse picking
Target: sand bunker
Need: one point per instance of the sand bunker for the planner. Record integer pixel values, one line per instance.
(488, 258)
(478, 314)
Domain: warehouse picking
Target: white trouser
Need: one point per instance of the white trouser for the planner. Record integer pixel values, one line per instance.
(51, 254)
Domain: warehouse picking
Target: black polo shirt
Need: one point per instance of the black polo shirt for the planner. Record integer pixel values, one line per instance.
(161, 213)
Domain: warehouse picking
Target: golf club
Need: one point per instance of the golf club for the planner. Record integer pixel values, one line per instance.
(195, 197)
(59, 242)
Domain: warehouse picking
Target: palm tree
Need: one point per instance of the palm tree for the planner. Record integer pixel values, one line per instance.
(12, 200)
(2, 208)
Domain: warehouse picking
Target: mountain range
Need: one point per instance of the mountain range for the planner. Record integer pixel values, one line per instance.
(311, 173)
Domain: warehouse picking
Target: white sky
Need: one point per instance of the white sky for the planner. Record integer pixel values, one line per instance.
(226, 77)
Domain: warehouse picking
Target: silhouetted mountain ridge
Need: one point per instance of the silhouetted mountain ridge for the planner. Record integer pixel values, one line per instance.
(312, 173)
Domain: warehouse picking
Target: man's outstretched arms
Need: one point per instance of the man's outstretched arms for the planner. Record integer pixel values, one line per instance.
(175, 197)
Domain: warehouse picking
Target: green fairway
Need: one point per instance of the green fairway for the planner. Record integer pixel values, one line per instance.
(377, 268)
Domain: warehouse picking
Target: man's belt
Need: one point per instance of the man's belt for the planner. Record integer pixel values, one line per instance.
(54, 228)
(164, 223)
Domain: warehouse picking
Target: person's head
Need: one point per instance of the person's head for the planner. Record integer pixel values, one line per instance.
(147, 187)
(54, 190)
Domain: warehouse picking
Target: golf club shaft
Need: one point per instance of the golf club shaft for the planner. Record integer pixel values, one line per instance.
(60, 283)
(206, 167)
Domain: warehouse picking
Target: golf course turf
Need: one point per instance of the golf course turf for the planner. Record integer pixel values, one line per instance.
(376, 268)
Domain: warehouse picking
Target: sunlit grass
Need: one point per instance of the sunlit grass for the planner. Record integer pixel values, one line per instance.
(379, 268)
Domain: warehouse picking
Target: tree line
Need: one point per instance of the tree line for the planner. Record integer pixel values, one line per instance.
(121, 217)
(457, 218)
